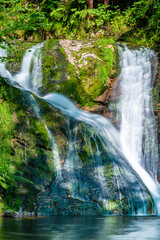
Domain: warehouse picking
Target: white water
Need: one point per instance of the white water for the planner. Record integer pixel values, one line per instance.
(32, 81)
(137, 128)
(108, 133)
(135, 82)
(3, 55)
(56, 156)
(137, 122)
(23, 78)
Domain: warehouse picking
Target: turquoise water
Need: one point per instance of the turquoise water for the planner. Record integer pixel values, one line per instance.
(84, 228)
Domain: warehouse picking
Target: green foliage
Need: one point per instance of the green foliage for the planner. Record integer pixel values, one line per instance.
(9, 157)
(73, 19)
(7, 132)
(18, 18)
(143, 19)
(76, 21)
(68, 19)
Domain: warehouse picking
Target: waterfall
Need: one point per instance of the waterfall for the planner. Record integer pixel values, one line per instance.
(56, 156)
(24, 78)
(133, 147)
(31, 80)
(3, 55)
(137, 121)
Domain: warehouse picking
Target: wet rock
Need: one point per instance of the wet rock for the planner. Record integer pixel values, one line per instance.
(11, 214)
(71, 46)
(69, 206)
(104, 98)
(28, 214)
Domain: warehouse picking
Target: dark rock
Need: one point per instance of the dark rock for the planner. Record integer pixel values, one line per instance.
(11, 213)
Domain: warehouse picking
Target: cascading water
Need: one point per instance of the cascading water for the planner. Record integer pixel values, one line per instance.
(55, 154)
(137, 122)
(130, 145)
(32, 81)
(23, 78)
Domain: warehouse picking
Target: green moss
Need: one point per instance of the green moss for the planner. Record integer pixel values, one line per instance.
(53, 65)
(25, 151)
(91, 79)
(84, 156)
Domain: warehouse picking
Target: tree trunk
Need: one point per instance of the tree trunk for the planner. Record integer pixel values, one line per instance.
(106, 2)
(112, 4)
(90, 4)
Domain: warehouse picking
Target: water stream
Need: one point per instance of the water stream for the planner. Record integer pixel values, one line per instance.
(134, 144)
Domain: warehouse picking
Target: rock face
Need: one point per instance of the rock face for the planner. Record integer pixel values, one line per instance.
(88, 75)
(73, 46)
(58, 203)
(83, 75)
(70, 196)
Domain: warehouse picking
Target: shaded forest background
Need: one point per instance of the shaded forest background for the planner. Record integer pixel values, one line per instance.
(133, 21)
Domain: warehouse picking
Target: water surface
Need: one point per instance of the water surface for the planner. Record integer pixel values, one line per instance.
(84, 228)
